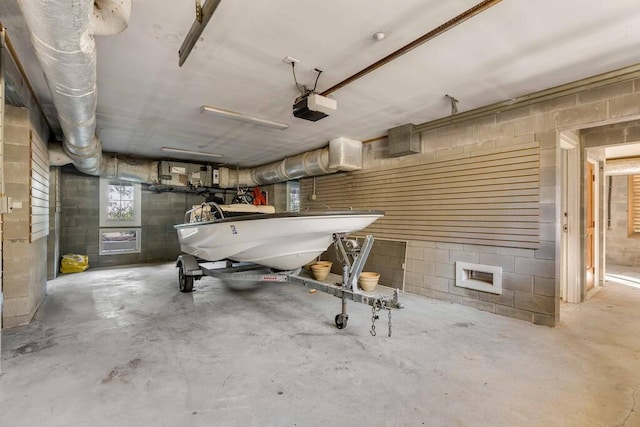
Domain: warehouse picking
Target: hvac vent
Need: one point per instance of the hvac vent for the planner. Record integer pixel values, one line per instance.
(403, 140)
(485, 278)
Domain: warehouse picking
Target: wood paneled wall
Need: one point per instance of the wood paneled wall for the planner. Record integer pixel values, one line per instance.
(39, 192)
(486, 198)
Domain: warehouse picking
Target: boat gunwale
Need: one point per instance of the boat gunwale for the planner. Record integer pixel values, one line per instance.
(257, 216)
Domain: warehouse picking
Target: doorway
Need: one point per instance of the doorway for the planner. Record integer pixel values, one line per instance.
(622, 173)
(570, 283)
(589, 181)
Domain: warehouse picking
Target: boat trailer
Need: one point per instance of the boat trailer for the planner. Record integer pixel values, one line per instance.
(349, 252)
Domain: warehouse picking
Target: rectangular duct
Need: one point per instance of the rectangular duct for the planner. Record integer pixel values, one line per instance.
(345, 154)
(404, 140)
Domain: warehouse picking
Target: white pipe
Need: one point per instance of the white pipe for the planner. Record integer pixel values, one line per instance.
(343, 154)
(126, 169)
(62, 34)
(306, 164)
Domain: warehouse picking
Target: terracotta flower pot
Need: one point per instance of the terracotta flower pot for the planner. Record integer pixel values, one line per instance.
(368, 280)
(328, 263)
(320, 271)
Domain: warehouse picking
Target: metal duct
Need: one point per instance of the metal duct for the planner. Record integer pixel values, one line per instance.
(342, 155)
(126, 169)
(62, 33)
(308, 164)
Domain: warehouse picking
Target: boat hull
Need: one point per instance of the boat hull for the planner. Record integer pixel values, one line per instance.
(279, 241)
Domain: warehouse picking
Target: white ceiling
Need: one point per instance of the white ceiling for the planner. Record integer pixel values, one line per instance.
(145, 101)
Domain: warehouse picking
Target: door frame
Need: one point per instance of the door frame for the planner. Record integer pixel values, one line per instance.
(598, 229)
(597, 221)
(571, 276)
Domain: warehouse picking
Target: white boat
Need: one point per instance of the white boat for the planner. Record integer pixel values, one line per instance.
(283, 241)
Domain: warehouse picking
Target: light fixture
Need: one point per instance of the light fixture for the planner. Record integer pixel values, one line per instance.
(242, 117)
(196, 153)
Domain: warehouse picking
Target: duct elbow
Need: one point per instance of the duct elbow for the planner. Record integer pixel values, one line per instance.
(131, 170)
(57, 155)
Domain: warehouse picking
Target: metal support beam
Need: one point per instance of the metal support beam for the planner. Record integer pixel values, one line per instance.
(202, 19)
(340, 292)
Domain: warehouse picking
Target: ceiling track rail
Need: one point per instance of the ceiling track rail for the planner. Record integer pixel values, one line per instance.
(203, 15)
(467, 14)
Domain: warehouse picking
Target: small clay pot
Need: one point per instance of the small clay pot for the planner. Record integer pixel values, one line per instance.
(368, 280)
(320, 271)
(327, 263)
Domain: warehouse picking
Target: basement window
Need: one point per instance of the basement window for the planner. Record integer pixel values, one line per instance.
(119, 241)
(120, 217)
(293, 196)
(119, 203)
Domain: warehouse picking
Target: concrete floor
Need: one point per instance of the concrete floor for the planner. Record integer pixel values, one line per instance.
(124, 347)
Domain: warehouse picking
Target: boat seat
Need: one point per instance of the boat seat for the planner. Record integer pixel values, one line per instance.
(200, 213)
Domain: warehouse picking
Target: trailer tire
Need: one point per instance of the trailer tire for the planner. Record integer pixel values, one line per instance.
(185, 282)
(341, 321)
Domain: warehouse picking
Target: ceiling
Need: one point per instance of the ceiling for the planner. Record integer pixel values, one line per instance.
(146, 101)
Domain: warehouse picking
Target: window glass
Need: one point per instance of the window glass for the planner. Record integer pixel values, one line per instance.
(293, 198)
(120, 204)
(119, 241)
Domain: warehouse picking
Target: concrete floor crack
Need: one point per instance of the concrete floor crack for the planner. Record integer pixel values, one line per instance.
(633, 406)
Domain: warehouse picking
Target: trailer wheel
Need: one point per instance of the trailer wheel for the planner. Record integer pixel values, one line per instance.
(341, 321)
(185, 282)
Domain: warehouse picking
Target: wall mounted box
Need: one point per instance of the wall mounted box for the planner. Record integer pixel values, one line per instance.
(404, 140)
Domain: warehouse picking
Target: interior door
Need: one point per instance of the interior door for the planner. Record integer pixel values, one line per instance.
(590, 227)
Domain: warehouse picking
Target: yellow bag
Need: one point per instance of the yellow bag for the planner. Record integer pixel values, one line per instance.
(73, 263)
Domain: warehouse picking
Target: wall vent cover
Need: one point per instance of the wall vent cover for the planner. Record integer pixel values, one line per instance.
(485, 278)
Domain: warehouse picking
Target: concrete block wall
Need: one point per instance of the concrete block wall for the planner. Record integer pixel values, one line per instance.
(531, 282)
(527, 281)
(621, 249)
(24, 262)
(80, 222)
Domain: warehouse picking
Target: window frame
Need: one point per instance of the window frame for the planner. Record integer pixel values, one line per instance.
(135, 250)
(633, 201)
(104, 204)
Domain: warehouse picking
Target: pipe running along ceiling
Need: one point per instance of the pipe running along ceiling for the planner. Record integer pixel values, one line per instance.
(63, 37)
